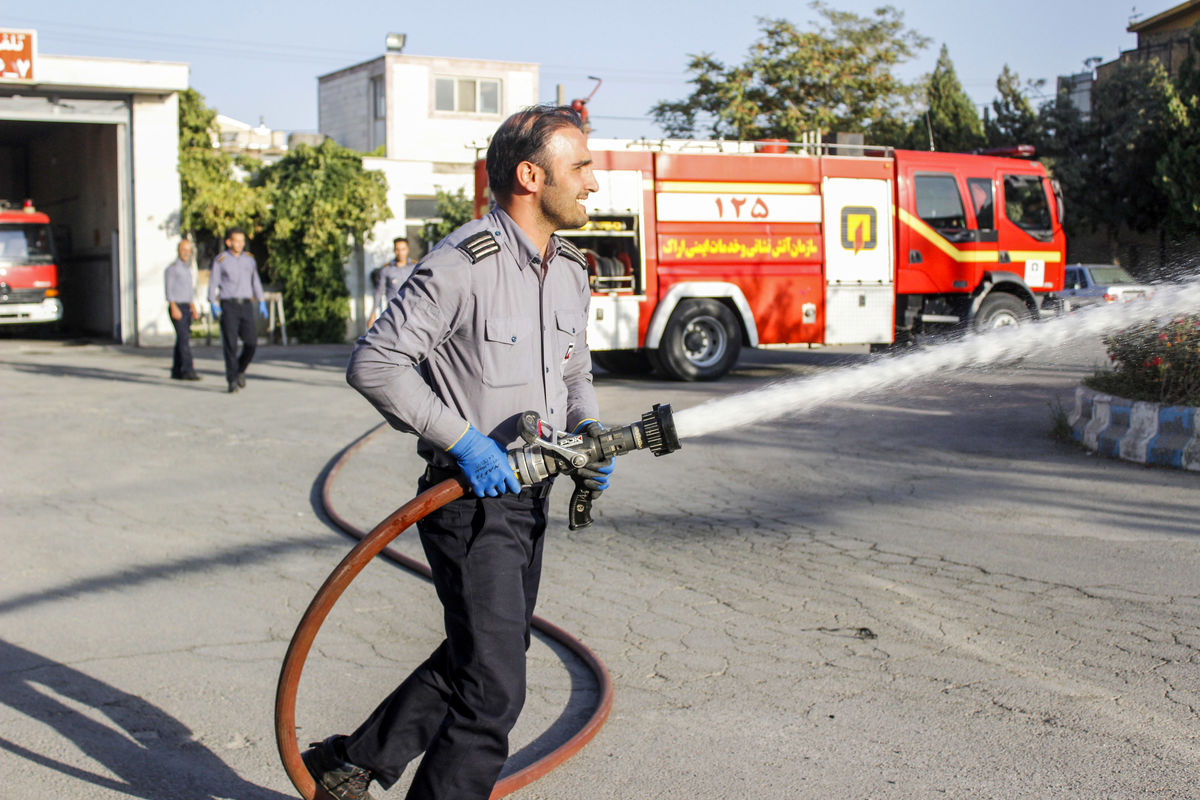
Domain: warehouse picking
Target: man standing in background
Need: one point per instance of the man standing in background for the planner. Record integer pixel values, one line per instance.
(392, 276)
(234, 281)
(180, 291)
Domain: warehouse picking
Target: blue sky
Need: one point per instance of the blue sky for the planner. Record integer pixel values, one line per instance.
(253, 60)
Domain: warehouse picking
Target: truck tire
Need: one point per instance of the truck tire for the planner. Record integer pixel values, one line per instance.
(701, 342)
(1000, 310)
(623, 362)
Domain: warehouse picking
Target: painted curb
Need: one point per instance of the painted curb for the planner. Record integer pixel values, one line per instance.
(1146, 433)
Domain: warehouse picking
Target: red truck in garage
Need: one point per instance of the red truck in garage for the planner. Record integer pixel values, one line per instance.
(28, 266)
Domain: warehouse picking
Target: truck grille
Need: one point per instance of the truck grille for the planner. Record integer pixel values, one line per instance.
(8, 295)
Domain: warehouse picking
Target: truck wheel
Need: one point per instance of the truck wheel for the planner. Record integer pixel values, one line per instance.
(701, 342)
(623, 362)
(1000, 310)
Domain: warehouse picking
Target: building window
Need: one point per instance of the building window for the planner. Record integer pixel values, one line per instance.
(378, 98)
(467, 95)
(416, 207)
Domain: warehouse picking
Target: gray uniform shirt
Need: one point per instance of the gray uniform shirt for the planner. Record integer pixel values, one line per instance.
(391, 277)
(481, 343)
(178, 280)
(234, 278)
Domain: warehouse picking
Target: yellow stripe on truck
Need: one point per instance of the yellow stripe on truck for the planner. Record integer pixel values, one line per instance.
(927, 233)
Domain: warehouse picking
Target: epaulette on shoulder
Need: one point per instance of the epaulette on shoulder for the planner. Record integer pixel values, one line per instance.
(479, 246)
(221, 257)
(566, 248)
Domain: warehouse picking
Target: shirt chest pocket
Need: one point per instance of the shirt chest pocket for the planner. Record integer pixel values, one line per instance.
(570, 327)
(506, 355)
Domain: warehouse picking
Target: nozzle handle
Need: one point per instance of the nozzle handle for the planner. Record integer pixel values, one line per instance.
(579, 515)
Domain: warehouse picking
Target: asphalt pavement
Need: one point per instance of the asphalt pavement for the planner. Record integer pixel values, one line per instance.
(918, 593)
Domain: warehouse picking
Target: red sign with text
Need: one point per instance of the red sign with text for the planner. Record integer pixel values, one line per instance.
(18, 50)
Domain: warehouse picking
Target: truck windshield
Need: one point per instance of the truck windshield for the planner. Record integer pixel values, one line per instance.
(1111, 275)
(1025, 204)
(26, 242)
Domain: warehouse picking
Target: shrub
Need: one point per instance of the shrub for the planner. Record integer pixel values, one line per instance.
(321, 198)
(1159, 363)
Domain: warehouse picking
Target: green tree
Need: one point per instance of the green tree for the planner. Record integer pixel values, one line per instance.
(213, 199)
(1179, 167)
(453, 209)
(321, 199)
(952, 121)
(838, 76)
(1068, 148)
(1014, 120)
(1135, 112)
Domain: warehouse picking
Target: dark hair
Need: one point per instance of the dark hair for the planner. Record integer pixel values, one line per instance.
(400, 239)
(232, 231)
(523, 137)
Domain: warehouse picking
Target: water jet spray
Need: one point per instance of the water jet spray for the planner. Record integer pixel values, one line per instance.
(1000, 345)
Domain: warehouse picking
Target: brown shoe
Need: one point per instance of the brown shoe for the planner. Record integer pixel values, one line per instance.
(339, 777)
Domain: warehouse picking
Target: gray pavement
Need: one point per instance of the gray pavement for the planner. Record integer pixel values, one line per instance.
(916, 594)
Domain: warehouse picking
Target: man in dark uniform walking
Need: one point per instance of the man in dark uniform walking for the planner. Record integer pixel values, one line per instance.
(490, 324)
(180, 295)
(234, 282)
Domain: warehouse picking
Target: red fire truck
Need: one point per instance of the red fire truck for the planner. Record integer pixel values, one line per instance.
(28, 269)
(699, 248)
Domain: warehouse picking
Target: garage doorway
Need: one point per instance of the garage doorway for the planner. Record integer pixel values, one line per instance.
(75, 173)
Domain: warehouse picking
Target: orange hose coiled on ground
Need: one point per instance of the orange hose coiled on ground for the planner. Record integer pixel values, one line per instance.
(370, 545)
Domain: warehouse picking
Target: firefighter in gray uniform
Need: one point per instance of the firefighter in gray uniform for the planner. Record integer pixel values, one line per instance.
(392, 276)
(234, 282)
(490, 324)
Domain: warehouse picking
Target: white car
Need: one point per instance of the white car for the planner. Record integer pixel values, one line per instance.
(1092, 284)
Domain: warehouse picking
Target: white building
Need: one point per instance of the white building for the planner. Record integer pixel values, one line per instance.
(424, 120)
(94, 143)
(242, 138)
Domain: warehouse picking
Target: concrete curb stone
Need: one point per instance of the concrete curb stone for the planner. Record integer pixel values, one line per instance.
(1146, 433)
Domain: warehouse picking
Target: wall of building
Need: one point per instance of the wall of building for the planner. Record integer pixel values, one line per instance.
(109, 161)
(416, 130)
(156, 202)
(344, 105)
(427, 149)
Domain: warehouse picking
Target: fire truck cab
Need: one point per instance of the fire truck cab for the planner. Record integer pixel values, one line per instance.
(697, 249)
(28, 267)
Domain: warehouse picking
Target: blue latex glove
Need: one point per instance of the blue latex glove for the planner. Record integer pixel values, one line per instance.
(595, 475)
(216, 309)
(262, 307)
(485, 464)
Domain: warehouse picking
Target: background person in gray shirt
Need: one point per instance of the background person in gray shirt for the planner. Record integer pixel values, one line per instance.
(180, 291)
(234, 281)
(489, 325)
(392, 276)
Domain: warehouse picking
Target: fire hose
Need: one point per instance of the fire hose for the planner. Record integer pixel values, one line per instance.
(546, 452)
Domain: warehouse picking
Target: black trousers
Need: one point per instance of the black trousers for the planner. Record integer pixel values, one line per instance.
(181, 359)
(237, 320)
(459, 706)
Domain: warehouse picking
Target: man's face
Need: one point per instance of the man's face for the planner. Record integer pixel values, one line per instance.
(401, 249)
(185, 251)
(569, 179)
(237, 243)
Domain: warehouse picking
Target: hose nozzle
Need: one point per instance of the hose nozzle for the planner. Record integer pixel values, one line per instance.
(658, 430)
(547, 452)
